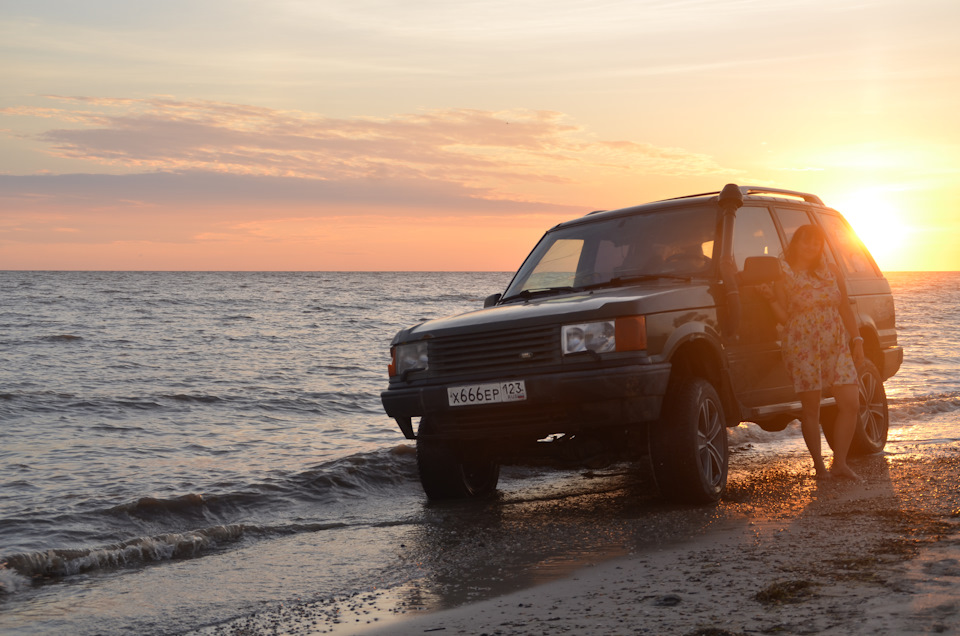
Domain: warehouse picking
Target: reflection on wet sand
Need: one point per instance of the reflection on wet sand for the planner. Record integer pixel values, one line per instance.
(785, 553)
(782, 552)
(468, 551)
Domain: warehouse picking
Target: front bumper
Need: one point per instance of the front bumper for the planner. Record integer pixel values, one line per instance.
(563, 402)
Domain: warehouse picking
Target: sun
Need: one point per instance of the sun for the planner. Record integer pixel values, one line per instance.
(879, 224)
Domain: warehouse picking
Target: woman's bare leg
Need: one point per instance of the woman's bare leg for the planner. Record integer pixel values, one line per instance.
(848, 404)
(810, 426)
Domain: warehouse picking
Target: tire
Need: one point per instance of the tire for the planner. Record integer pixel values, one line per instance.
(873, 418)
(688, 446)
(448, 473)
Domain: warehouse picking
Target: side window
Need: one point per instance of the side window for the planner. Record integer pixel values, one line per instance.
(851, 251)
(790, 220)
(754, 234)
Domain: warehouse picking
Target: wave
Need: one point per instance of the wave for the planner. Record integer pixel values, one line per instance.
(317, 402)
(748, 434)
(64, 337)
(187, 397)
(339, 481)
(11, 581)
(58, 563)
(907, 408)
(333, 481)
(359, 474)
(154, 505)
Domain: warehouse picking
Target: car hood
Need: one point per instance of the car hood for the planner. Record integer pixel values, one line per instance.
(596, 304)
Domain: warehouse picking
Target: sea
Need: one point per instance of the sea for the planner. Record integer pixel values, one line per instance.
(179, 450)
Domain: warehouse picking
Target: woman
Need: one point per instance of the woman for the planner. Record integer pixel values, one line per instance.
(821, 347)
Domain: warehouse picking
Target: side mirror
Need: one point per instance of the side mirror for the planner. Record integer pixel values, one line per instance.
(491, 300)
(758, 270)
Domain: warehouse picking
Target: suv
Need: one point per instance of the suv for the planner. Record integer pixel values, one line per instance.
(633, 334)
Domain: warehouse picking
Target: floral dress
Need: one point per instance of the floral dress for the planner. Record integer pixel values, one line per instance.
(815, 348)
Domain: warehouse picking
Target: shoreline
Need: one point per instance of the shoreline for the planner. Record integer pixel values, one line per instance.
(877, 557)
(781, 553)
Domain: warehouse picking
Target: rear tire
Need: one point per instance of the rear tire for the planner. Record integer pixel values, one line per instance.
(448, 472)
(873, 418)
(688, 446)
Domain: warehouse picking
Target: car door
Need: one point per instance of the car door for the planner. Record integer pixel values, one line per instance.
(757, 371)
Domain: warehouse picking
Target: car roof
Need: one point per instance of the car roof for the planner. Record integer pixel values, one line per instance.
(750, 194)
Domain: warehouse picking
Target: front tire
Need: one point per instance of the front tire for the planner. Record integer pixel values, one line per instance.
(688, 446)
(447, 472)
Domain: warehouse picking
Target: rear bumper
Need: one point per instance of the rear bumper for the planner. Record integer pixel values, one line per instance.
(892, 359)
(566, 402)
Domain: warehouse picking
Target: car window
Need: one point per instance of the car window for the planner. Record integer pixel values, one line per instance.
(671, 242)
(790, 220)
(558, 267)
(610, 255)
(852, 254)
(754, 234)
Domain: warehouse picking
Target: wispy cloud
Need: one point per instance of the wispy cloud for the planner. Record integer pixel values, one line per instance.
(467, 146)
(164, 150)
(244, 194)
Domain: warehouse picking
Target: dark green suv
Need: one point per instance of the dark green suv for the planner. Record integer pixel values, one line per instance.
(632, 334)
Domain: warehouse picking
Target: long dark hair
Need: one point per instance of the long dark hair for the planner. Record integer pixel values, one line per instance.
(803, 232)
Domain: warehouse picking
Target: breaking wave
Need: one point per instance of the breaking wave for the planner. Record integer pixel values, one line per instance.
(134, 552)
(251, 512)
(909, 408)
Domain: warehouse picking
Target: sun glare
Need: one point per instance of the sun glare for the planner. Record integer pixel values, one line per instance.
(879, 224)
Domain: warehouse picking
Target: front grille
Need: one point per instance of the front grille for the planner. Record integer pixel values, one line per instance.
(512, 350)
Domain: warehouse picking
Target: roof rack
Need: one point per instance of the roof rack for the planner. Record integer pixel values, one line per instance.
(762, 190)
(690, 196)
(759, 190)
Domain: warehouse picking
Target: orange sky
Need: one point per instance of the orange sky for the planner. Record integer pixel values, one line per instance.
(373, 135)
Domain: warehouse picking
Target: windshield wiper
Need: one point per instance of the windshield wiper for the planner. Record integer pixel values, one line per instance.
(544, 291)
(613, 282)
(637, 278)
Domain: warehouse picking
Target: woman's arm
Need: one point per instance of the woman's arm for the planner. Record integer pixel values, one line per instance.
(776, 295)
(849, 319)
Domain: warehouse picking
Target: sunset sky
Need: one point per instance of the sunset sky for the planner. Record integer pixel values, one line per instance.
(438, 135)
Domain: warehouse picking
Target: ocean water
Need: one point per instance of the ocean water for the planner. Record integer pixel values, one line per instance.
(182, 449)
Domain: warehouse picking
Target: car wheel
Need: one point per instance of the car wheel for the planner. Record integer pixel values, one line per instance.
(446, 473)
(688, 446)
(873, 418)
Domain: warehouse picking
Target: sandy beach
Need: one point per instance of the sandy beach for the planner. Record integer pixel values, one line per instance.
(871, 558)
(882, 556)
(782, 553)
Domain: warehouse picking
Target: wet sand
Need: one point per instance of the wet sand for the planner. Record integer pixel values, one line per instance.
(882, 557)
(782, 553)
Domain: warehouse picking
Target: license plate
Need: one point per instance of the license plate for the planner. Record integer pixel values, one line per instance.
(492, 393)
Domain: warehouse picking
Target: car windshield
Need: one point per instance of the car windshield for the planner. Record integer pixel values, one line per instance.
(677, 242)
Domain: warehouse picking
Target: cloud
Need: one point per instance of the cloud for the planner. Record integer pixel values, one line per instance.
(480, 149)
(162, 169)
(257, 193)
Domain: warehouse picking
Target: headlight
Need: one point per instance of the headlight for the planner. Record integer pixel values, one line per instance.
(409, 357)
(628, 333)
(590, 336)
